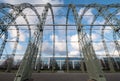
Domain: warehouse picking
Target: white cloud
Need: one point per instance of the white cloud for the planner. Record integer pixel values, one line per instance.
(54, 37)
(88, 16)
(13, 35)
(33, 1)
(73, 47)
(74, 42)
(22, 36)
(46, 48)
(98, 46)
(60, 44)
(100, 53)
(19, 46)
(116, 53)
(95, 36)
(74, 53)
(20, 20)
(108, 29)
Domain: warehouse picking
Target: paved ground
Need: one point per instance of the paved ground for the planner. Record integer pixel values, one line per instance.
(59, 76)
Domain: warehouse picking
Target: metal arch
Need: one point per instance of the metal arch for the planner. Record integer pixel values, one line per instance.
(6, 5)
(110, 15)
(25, 69)
(28, 25)
(104, 44)
(17, 40)
(39, 52)
(107, 18)
(80, 27)
(3, 44)
(84, 11)
(107, 6)
(49, 6)
(19, 9)
(67, 59)
(44, 15)
(80, 50)
(23, 6)
(93, 62)
(117, 48)
(72, 7)
(9, 16)
(115, 19)
(92, 24)
(94, 19)
(11, 6)
(79, 42)
(78, 20)
(116, 42)
(13, 52)
(114, 33)
(3, 31)
(114, 36)
(106, 49)
(94, 56)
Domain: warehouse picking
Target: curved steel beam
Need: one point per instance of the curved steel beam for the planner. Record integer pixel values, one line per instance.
(4, 43)
(107, 18)
(106, 49)
(25, 70)
(94, 64)
(8, 15)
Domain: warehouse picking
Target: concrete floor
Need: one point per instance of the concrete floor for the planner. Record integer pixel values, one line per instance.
(59, 76)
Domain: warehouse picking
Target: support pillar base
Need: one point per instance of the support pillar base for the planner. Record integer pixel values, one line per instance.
(92, 80)
(29, 79)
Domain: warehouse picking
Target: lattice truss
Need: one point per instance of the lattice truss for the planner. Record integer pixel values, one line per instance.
(59, 29)
(18, 24)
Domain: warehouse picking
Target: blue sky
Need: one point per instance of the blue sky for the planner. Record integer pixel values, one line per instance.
(65, 1)
(60, 34)
(91, 1)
